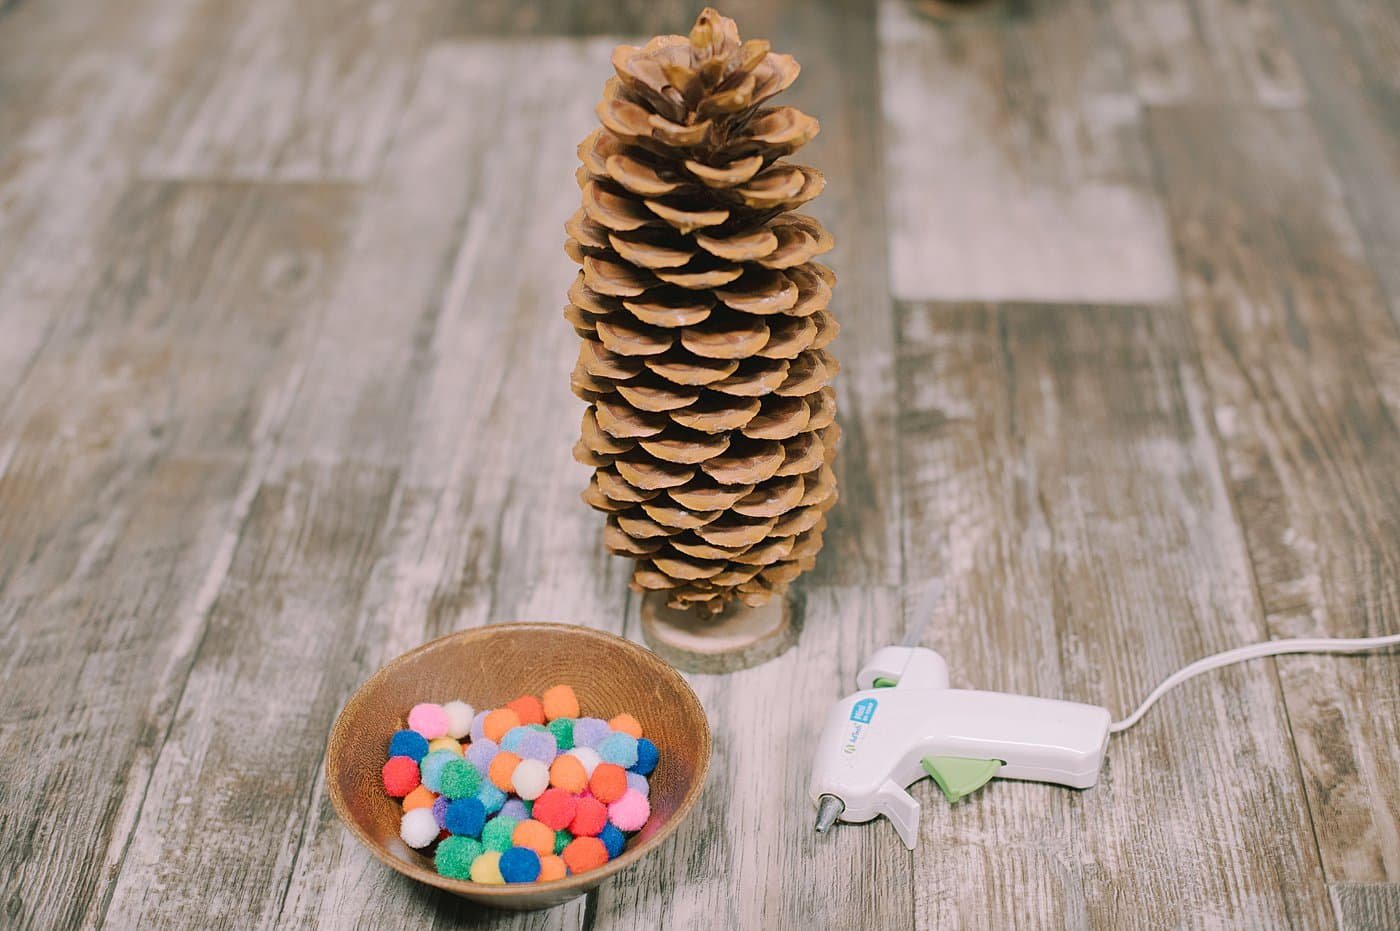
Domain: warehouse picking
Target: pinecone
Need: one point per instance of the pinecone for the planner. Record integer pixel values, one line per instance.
(710, 424)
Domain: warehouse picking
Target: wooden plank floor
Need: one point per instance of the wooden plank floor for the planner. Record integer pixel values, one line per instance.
(284, 392)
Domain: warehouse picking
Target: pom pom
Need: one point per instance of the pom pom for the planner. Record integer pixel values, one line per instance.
(498, 723)
(630, 812)
(502, 769)
(561, 840)
(421, 797)
(491, 798)
(647, 757)
(515, 808)
(627, 724)
(433, 765)
(429, 720)
(552, 867)
(487, 868)
(459, 779)
(608, 782)
(589, 818)
(567, 773)
(530, 779)
(528, 709)
(638, 783)
(538, 745)
(445, 743)
(410, 744)
(560, 702)
(583, 854)
(481, 753)
(478, 731)
(496, 834)
(534, 835)
(440, 811)
(588, 757)
(612, 840)
(459, 718)
(563, 731)
(512, 738)
(520, 865)
(589, 732)
(455, 855)
(418, 828)
(400, 774)
(619, 748)
(466, 817)
(556, 808)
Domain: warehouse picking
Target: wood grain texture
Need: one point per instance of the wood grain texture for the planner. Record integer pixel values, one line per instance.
(1064, 485)
(1364, 906)
(1015, 161)
(1304, 368)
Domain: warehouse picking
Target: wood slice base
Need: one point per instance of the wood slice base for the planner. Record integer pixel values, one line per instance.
(739, 638)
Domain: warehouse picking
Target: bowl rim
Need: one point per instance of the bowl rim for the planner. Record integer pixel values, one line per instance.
(580, 883)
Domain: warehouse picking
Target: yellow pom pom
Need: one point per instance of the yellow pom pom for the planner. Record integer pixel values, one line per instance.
(445, 743)
(487, 868)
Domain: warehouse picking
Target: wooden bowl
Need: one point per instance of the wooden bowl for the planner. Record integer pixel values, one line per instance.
(488, 667)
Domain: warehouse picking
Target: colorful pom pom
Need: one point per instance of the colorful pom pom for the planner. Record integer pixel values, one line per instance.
(433, 765)
(638, 783)
(556, 808)
(491, 798)
(440, 811)
(535, 835)
(487, 868)
(627, 724)
(619, 748)
(502, 769)
(589, 818)
(528, 708)
(567, 773)
(530, 779)
(630, 812)
(429, 720)
(496, 833)
(608, 782)
(552, 867)
(588, 757)
(520, 865)
(481, 752)
(560, 702)
(563, 731)
(410, 744)
(647, 758)
(538, 745)
(561, 839)
(466, 817)
(515, 808)
(400, 775)
(589, 732)
(512, 738)
(418, 828)
(445, 743)
(478, 728)
(584, 853)
(459, 718)
(459, 779)
(498, 723)
(455, 855)
(421, 797)
(612, 840)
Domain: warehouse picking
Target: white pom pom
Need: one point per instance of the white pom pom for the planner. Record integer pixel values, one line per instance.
(531, 778)
(419, 828)
(459, 718)
(588, 757)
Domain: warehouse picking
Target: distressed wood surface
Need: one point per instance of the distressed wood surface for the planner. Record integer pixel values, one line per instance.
(284, 392)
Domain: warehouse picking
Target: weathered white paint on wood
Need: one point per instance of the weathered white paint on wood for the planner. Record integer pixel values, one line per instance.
(1015, 163)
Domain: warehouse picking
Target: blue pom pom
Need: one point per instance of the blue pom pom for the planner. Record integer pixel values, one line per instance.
(512, 738)
(408, 743)
(619, 748)
(520, 865)
(647, 758)
(515, 808)
(430, 770)
(491, 798)
(465, 817)
(613, 840)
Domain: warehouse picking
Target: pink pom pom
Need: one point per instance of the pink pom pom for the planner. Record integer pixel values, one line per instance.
(430, 720)
(630, 812)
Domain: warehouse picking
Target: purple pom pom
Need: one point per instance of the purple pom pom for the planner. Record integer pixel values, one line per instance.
(589, 732)
(481, 752)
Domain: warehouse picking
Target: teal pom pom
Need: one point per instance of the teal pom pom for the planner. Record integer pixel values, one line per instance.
(491, 798)
(512, 737)
(619, 748)
(432, 767)
(520, 865)
(455, 855)
(497, 833)
(563, 731)
(459, 779)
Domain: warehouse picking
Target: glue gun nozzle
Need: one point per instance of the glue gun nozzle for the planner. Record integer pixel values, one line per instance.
(829, 808)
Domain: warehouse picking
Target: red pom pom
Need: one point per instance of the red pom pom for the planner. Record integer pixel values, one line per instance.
(589, 818)
(584, 853)
(529, 709)
(608, 782)
(400, 776)
(556, 808)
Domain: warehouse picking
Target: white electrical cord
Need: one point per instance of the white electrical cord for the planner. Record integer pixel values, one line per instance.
(1254, 651)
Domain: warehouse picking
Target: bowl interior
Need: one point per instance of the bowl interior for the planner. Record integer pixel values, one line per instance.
(488, 667)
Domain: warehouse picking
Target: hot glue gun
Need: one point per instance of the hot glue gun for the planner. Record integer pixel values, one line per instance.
(906, 723)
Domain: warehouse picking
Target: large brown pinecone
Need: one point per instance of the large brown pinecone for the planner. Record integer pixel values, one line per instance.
(704, 321)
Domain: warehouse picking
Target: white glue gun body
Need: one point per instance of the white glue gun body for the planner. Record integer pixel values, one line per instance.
(906, 723)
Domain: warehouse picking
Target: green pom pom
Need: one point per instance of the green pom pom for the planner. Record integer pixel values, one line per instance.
(455, 855)
(460, 779)
(497, 833)
(563, 731)
(561, 839)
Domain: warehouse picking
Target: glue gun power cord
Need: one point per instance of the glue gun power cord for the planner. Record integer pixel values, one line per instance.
(1254, 651)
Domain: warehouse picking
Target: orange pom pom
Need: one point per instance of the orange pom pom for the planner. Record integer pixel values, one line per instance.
(501, 772)
(535, 835)
(608, 782)
(627, 724)
(528, 709)
(552, 867)
(495, 724)
(567, 773)
(421, 797)
(560, 702)
(585, 853)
